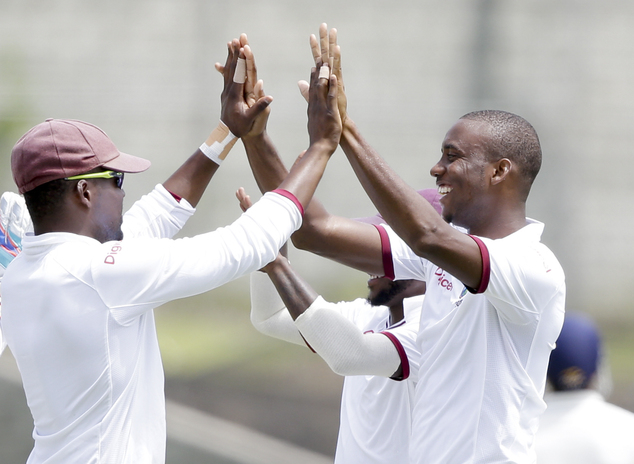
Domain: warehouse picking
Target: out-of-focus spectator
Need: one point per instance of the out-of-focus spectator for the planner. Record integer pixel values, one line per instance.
(580, 426)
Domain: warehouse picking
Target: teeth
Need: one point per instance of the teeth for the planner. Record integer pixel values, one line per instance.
(444, 190)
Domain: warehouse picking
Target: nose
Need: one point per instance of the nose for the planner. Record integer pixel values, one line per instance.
(436, 170)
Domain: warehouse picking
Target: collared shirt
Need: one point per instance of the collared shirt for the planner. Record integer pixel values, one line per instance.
(484, 356)
(78, 319)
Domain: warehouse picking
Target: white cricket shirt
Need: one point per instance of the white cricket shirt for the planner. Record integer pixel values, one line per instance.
(77, 315)
(376, 412)
(484, 356)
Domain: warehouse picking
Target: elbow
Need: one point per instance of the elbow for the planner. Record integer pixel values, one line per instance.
(258, 324)
(340, 367)
(306, 239)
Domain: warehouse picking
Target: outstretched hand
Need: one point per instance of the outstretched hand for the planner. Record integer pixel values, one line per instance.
(245, 108)
(327, 51)
(324, 120)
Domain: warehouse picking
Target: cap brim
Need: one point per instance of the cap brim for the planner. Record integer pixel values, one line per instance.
(127, 163)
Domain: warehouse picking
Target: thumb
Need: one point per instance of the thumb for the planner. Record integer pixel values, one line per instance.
(303, 89)
(259, 106)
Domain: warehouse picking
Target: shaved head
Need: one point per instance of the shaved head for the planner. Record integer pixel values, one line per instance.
(512, 137)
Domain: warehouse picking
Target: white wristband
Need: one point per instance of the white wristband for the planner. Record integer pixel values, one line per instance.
(219, 143)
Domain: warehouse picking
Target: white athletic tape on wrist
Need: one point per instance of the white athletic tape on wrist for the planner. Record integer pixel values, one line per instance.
(240, 74)
(219, 143)
(324, 72)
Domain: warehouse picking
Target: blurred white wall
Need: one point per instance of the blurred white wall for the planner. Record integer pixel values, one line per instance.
(143, 71)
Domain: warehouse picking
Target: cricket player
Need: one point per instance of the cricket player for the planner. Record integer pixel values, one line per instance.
(78, 300)
(494, 303)
(372, 342)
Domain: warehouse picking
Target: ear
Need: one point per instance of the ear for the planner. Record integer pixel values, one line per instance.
(501, 169)
(82, 193)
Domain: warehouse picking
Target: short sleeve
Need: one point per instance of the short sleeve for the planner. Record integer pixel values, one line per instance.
(406, 264)
(524, 278)
(404, 338)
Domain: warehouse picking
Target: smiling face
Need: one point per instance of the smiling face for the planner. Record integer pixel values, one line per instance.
(463, 172)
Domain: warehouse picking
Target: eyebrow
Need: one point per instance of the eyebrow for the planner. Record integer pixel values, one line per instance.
(450, 146)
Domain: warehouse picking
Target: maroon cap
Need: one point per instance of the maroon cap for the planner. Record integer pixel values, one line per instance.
(59, 148)
(431, 195)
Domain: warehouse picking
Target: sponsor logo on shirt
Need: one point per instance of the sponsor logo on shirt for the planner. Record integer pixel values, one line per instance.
(443, 279)
(110, 257)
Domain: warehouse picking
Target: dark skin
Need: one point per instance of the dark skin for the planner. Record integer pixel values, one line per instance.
(484, 195)
(298, 295)
(93, 207)
(269, 172)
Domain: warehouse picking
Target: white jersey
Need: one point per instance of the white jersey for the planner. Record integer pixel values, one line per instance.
(376, 412)
(580, 427)
(375, 415)
(78, 319)
(484, 356)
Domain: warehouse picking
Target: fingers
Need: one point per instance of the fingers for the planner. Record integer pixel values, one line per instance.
(220, 68)
(244, 199)
(332, 93)
(258, 107)
(332, 45)
(323, 41)
(243, 40)
(335, 56)
(314, 48)
(251, 76)
(304, 88)
(258, 89)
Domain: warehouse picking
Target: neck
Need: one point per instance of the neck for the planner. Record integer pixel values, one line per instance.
(500, 223)
(396, 312)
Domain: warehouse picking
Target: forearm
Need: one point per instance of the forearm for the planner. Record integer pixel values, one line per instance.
(401, 206)
(191, 179)
(267, 167)
(329, 236)
(346, 349)
(295, 292)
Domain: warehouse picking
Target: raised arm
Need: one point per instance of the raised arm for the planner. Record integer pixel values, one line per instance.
(341, 239)
(411, 216)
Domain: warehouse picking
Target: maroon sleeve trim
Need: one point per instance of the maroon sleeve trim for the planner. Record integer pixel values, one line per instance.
(176, 197)
(401, 353)
(486, 266)
(307, 344)
(386, 249)
(290, 196)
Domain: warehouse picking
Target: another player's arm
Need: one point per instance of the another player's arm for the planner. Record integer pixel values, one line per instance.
(346, 349)
(343, 346)
(348, 242)
(411, 217)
